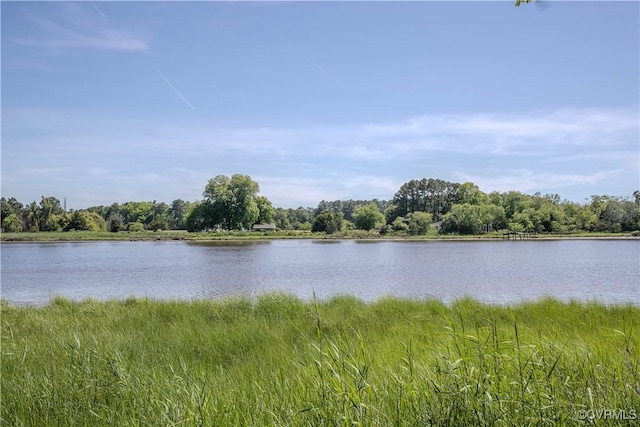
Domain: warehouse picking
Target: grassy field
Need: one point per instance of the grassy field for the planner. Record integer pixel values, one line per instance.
(277, 360)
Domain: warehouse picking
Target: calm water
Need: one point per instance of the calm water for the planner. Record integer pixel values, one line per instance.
(498, 272)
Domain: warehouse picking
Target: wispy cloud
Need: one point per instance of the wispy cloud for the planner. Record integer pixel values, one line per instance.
(45, 171)
(77, 30)
(510, 133)
(571, 152)
(558, 133)
(101, 38)
(527, 180)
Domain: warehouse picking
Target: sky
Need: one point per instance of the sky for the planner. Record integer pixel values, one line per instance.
(109, 102)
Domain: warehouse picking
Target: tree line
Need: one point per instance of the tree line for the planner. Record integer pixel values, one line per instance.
(418, 207)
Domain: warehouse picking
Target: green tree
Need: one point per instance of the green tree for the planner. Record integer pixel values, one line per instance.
(84, 220)
(135, 226)
(281, 219)
(199, 217)
(159, 219)
(232, 201)
(5, 209)
(419, 222)
(463, 219)
(426, 195)
(293, 219)
(177, 214)
(514, 202)
(266, 212)
(400, 224)
(159, 222)
(114, 218)
(368, 217)
(49, 215)
(11, 223)
(469, 192)
(302, 218)
(32, 217)
(522, 221)
(14, 209)
(328, 221)
(615, 214)
(141, 212)
(115, 222)
(347, 207)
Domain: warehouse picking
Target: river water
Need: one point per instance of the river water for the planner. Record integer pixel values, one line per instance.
(492, 271)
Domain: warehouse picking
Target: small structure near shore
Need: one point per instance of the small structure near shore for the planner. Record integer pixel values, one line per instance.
(516, 235)
(264, 227)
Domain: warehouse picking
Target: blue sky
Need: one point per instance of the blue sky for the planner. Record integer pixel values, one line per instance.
(107, 102)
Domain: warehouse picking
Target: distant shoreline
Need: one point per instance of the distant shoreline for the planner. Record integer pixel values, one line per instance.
(89, 236)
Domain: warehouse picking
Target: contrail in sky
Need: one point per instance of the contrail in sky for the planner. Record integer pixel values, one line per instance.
(152, 66)
(319, 68)
(96, 6)
(172, 87)
(305, 57)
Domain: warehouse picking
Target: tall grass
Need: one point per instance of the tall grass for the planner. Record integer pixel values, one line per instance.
(276, 360)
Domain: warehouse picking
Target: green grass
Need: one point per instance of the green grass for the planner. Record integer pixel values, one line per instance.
(277, 360)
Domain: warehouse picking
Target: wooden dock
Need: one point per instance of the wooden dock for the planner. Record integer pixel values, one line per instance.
(515, 235)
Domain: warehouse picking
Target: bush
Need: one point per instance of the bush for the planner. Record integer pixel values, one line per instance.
(328, 221)
(135, 226)
(86, 221)
(420, 223)
(11, 224)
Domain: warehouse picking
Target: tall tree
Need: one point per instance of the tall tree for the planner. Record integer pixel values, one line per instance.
(426, 195)
(50, 211)
(32, 217)
(368, 217)
(177, 214)
(233, 201)
(469, 192)
(200, 217)
(141, 212)
(11, 215)
(266, 212)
